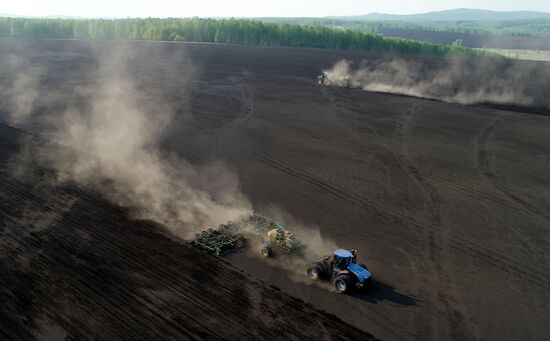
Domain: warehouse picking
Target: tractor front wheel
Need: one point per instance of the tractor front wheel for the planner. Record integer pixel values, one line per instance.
(344, 283)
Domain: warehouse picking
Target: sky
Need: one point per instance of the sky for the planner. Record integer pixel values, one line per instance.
(250, 8)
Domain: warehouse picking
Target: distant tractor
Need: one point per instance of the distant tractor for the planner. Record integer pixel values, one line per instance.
(321, 79)
(342, 81)
(279, 238)
(341, 267)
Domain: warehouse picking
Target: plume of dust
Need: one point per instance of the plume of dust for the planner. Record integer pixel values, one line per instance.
(314, 244)
(457, 79)
(22, 92)
(115, 132)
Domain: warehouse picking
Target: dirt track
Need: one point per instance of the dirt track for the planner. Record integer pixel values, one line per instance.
(448, 205)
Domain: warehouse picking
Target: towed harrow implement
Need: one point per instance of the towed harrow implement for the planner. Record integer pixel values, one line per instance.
(217, 241)
(232, 235)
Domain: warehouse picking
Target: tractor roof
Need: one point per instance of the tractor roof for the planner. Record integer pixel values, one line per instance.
(343, 253)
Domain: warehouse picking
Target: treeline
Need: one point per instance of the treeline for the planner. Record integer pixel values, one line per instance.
(374, 27)
(527, 28)
(233, 31)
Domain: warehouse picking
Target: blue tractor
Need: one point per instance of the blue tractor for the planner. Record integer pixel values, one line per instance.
(341, 267)
(321, 78)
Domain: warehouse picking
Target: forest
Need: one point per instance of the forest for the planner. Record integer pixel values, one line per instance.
(524, 28)
(230, 31)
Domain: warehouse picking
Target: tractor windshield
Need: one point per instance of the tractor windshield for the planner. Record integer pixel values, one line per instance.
(341, 263)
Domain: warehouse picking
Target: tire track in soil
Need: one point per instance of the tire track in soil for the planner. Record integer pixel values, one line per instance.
(485, 165)
(226, 135)
(458, 325)
(229, 133)
(434, 203)
(501, 262)
(472, 191)
(455, 317)
(437, 241)
(478, 250)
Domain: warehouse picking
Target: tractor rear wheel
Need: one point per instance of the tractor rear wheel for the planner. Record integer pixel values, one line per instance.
(345, 282)
(266, 251)
(315, 271)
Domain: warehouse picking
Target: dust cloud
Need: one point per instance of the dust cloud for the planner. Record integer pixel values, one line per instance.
(458, 79)
(113, 129)
(315, 245)
(115, 132)
(21, 89)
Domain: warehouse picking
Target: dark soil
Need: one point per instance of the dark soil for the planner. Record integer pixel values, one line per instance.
(449, 206)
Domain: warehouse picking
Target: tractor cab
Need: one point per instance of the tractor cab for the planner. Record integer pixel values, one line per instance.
(342, 259)
(321, 78)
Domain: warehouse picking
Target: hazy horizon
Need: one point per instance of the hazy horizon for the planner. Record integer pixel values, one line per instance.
(249, 8)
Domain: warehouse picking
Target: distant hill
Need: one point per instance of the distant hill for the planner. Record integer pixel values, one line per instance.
(7, 15)
(459, 14)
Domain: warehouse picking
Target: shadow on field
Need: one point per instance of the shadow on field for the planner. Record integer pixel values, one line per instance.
(385, 292)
